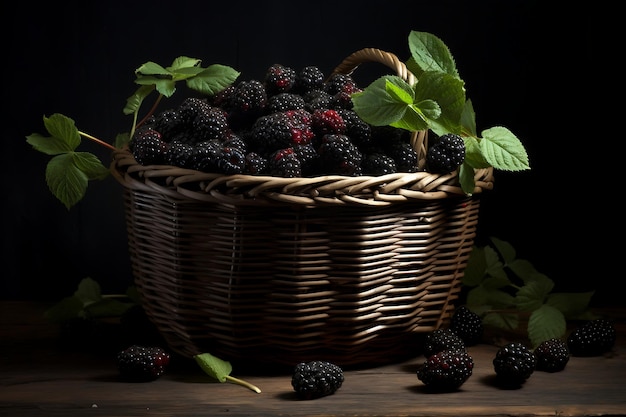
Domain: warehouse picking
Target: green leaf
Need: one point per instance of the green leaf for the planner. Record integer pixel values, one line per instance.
(220, 370)
(468, 119)
(431, 54)
(532, 295)
(48, 144)
(505, 249)
(151, 68)
(88, 291)
(66, 181)
(449, 94)
(66, 309)
(476, 267)
(376, 106)
(502, 320)
(522, 268)
(213, 79)
(545, 323)
(64, 129)
(466, 178)
(133, 103)
(503, 150)
(473, 154)
(572, 305)
(107, 307)
(183, 62)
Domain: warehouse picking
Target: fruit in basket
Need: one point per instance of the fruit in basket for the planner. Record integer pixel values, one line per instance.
(446, 370)
(514, 363)
(142, 363)
(315, 379)
(552, 355)
(436, 104)
(446, 154)
(592, 338)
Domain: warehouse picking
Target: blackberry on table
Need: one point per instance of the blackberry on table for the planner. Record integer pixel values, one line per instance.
(446, 154)
(468, 325)
(142, 363)
(592, 338)
(514, 363)
(446, 370)
(552, 355)
(442, 339)
(315, 379)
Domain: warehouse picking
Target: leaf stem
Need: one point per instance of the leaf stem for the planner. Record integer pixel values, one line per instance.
(243, 383)
(98, 141)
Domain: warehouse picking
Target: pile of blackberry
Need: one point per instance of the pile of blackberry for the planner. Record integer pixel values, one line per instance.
(289, 124)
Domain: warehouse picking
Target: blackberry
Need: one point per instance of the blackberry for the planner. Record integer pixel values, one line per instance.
(338, 155)
(141, 363)
(468, 325)
(169, 123)
(255, 164)
(180, 154)
(404, 156)
(205, 156)
(357, 129)
(446, 154)
(442, 339)
(338, 83)
(592, 338)
(284, 163)
(309, 159)
(552, 355)
(230, 160)
(514, 363)
(315, 379)
(378, 164)
(235, 141)
(325, 121)
(280, 130)
(446, 370)
(209, 123)
(317, 99)
(148, 147)
(283, 102)
(246, 103)
(307, 79)
(279, 79)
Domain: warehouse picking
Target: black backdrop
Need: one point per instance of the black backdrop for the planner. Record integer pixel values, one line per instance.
(525, 69)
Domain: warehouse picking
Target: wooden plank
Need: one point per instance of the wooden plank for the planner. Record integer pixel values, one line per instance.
(39, 379)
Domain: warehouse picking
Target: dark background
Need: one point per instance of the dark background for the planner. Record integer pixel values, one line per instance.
(526, 67)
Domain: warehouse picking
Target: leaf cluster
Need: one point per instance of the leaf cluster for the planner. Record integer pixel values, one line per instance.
(69, 171)
(437, 101)
(504, 290)
(88, 302)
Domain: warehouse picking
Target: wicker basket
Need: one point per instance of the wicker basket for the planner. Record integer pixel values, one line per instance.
(280, 270)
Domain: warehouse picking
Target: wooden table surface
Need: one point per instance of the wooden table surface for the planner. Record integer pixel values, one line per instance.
(39, 377)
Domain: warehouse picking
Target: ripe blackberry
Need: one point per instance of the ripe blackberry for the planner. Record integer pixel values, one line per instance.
(468, 325)
(378, 164)
(255, 164)
(168, 123)
(309, 159)
(446, 370)
(141, 363)
(279, 130)
(246, 103)
(325, 121)
(446, 154)
(338, 155)
(403, 155)
(180, 154)
(442, 339)
(592, 338)
(148, 147)
(209, 123)
(552, 355)
(307, 79)
(283, 102)
(279, 79)
(284, 163)
(514, 363)
(315, 379)
(338, 83)
(317, 99)
(205, 156)
(357, 129)
(230, 160)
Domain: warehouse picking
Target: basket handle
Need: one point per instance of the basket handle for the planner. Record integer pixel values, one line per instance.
(419, 139)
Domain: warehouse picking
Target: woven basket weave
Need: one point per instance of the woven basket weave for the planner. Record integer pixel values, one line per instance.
(282, 270)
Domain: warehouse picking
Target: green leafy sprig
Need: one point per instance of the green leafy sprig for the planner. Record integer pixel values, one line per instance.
(437, 101)
(504, 290)
(220, 370)
(69, 171)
